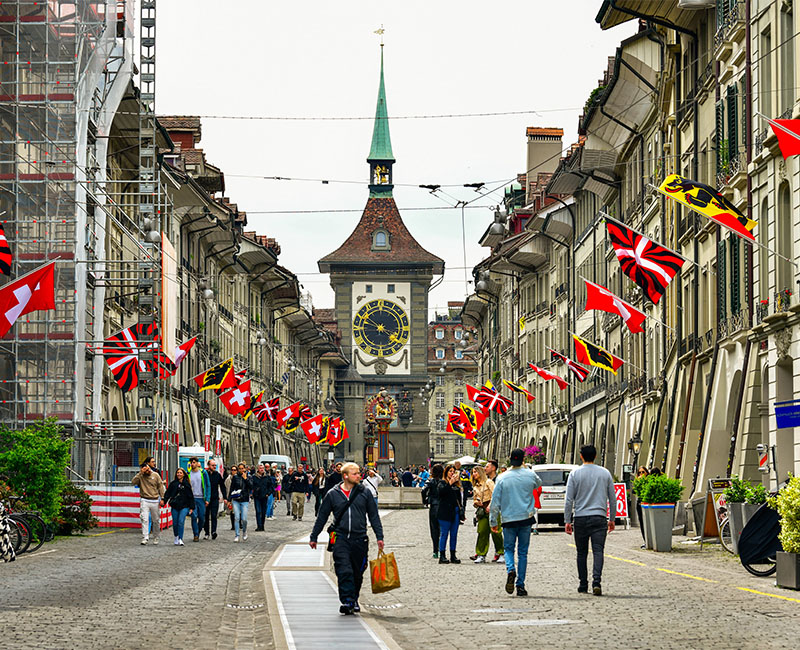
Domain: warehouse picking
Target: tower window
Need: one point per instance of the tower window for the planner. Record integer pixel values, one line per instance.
(380, 241)
(389, 288)
(440, 353)
(368, 288)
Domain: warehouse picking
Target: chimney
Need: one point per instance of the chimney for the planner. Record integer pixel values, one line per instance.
(544, 151)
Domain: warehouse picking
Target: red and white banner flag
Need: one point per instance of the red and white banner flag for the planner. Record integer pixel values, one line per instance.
(546, 374)
(31, 292)
(237, 399)
(313, 428)
(600, 298)
(291, 411)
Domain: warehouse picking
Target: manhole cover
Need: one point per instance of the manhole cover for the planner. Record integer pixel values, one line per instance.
(535, 622)
(258, 606)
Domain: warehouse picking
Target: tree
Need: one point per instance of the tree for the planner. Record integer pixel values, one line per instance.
(33, 461)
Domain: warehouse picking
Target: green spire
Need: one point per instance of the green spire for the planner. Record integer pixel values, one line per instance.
(381, 148)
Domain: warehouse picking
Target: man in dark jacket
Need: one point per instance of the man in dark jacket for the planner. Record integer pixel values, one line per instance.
(286, 482)
(217, 485)
(430, 497)
(334, 478)
(261, 490)
(298, 484)
(350, 504)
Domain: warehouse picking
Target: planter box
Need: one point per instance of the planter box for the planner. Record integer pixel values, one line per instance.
(740, 514)
(787, 574)
(658, 525)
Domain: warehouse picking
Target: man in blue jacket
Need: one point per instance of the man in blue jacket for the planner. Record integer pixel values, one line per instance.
(513, 500)
(201, 489)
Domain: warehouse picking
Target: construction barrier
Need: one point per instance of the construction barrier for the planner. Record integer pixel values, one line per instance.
(118, 507)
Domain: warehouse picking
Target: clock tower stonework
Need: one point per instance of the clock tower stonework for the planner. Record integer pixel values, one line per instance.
(381, 276)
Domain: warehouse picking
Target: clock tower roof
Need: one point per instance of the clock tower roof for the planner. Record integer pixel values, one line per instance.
(401, 249)
(381, 149)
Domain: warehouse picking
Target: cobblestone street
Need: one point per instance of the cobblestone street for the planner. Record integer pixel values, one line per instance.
(107, 591)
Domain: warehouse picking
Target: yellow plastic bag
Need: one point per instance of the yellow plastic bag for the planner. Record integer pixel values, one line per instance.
(383, 573)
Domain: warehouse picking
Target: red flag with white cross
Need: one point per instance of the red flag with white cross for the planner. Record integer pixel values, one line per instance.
(31, 292)
(284, 415)
(313, 428)
(237, 399)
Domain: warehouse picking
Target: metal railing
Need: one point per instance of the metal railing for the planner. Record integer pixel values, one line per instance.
(782, 300)
(727, 22)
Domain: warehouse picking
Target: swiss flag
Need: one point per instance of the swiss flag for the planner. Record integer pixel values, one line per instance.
(546, 374)
(237, 400)
(335, 433)
(291, 411)
(31, 292)
(313, 428)
(183, 350)
(788, 134)
(600, 298)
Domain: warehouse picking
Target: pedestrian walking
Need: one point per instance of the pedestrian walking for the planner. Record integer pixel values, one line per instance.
(286, 488)
(640, 473)
(239, 500)
(233, 470)
(450, 514)
(350, 504)
(180, 498)
(261, 486)
(318, 487)
(482, 488)
(430, 497)
(590, 496)
(512, 499)
(334, 478)
(202, 494)
(371, 481)
(491, 470)
(151, 492)
(271, 491)
(298, 484)
(407, 478)
(217, 489)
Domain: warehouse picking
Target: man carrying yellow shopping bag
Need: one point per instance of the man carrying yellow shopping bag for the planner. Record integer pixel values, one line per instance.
(350, 504)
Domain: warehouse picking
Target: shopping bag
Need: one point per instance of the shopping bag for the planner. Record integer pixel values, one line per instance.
(383, 572)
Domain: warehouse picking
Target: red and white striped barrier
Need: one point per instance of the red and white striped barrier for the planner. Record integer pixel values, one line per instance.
(118, 507)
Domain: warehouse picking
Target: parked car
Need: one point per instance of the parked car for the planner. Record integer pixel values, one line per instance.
(282, 461)
(554, 488)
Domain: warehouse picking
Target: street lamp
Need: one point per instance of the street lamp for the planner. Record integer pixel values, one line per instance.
(635, 445)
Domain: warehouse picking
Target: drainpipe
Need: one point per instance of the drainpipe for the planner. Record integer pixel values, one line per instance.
(686, 410)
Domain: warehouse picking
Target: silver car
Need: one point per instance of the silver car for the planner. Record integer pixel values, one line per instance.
(554, 488)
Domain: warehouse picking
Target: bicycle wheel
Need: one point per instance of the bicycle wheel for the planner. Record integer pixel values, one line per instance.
(37, 529)
(761, 568)
(14, 535)
(725, 536)
(24, 532)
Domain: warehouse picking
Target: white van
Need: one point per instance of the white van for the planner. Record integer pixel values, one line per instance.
(281, 461)
(554, 490)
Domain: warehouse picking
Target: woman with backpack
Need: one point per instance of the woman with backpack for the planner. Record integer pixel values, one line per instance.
(180, 498)
(239, 499)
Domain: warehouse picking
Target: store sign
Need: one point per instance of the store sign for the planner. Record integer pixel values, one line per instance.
(787, 414)
(621, 493)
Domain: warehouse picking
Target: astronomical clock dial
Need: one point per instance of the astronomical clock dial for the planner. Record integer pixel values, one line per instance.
(380, 328)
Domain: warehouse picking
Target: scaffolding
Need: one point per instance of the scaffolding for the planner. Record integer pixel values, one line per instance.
(64, 70)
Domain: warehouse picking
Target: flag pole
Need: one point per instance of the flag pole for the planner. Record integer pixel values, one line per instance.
(778, 125)
(624, 225)
(752, 242)
(597, 346)
(628, 304)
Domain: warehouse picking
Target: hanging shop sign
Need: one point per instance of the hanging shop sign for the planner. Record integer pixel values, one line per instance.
(787, 414)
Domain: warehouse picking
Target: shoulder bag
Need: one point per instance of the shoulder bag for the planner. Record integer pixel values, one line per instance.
(337, 521)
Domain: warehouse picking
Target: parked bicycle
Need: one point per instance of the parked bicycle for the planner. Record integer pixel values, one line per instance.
(28, 531)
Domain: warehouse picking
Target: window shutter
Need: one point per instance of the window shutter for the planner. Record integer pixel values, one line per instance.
(736, 281)
(722, 150)
(742, 99)
(732, 122)
(721, 288)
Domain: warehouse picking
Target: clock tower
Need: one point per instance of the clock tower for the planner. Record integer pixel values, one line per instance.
(381, 277)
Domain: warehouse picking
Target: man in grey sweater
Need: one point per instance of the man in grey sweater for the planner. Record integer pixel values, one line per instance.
(590, 497)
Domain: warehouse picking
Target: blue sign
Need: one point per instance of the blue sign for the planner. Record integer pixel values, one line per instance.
(787, 414)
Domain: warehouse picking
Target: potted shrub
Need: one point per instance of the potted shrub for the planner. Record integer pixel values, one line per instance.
(788, 561)
(735, 497)
(637, 488)
(659, 495)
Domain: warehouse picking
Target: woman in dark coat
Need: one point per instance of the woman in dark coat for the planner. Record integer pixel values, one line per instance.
(179, 497)
(451, 513)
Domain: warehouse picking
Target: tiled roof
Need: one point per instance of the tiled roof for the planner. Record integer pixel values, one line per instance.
(357, 248)
(544, 131)
(267, 242)
(192, 156)
(180, 122)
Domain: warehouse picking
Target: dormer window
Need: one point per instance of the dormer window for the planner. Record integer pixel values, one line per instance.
(380, 241)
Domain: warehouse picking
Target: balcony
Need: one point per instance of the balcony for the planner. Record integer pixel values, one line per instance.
(762, 311)
(562, 290)
(782, 300)
(638, 383)
(592, 392)
(729, 26)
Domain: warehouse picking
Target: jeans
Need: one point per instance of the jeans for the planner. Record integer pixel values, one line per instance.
(451, 528)
(433, 524)
(178, 519)
(210, 519)
(349, 562)
(594, 527)
(287, 496)
(298, 504)
(198, 516)
(149, 512)
(519, 537)
(484, 532)
(240, 516)
(261, 510)
(270, 505)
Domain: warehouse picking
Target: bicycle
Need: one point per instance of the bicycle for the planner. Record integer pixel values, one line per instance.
(759, 542)
(28, 530)
(725, 536)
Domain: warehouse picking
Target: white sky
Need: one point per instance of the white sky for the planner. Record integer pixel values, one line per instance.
(313, 58)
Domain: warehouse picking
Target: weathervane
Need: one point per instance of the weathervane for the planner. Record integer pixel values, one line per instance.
(380, 32)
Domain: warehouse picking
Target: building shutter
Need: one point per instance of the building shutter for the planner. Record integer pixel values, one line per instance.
(721, 288)
(732, 122)
(722, 148)
(736, 280)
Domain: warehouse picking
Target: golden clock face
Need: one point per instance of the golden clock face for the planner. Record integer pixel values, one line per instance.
(381, 328)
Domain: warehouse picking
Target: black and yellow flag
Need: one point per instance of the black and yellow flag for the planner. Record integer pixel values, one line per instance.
(220, 376)
(594, 355)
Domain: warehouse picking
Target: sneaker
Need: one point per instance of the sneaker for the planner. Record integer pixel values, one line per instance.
(521, 591)
(236, 539)
(510, 579)
(176, 541)
(244, 537)
(480, 559)
(155, 542)
(535, 532)
(474, 557)
(436, 555)
(213, 536)
(206, 536)
(499, 558)
(144, 541)
(299, 519)
(356, 607)
(294, 517)
(347, 609)
(583, 589)
(180, 542)
(597, 590)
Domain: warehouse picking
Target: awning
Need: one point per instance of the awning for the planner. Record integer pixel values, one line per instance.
(474, 308)
(613, 12)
